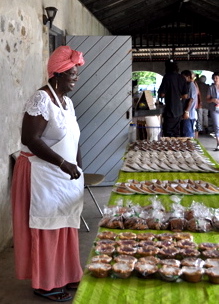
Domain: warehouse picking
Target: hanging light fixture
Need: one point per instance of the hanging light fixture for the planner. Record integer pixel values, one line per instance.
(51, 13)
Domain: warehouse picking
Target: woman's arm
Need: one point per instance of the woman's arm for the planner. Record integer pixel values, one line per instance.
(32, 130)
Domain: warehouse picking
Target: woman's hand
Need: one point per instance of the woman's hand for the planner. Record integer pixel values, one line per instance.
(70, 169)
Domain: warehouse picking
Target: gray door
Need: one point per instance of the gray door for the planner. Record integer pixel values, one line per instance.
(101, 98)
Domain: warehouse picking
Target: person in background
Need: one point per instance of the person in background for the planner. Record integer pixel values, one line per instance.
(213, 100)
(204, 110)
(173, 88)
(48, 184)
(198, 126)
(190, 114)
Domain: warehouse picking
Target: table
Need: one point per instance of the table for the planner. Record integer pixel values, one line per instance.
(136, 290)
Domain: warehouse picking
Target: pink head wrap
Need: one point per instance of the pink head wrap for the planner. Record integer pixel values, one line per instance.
(63, 59)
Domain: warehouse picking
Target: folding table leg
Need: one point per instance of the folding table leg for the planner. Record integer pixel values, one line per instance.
(96, 203)
(85, 223)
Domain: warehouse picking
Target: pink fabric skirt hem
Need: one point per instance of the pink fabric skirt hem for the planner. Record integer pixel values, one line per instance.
(50, 258)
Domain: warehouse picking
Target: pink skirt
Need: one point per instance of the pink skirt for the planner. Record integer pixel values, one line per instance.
(50, 258)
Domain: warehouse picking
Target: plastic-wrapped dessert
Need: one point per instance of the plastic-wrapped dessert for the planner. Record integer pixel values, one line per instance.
(127, 236)
(105, 242)
(210, 254)
(99, 270)
(102, 258)
(189, 253)
(168, 253)
(148, 251)
(170, 273)
(150, 260)
(211, 263)
(192, 274)
(183, 236)
(146, 236)
(170, 262)
(135, 223)
(193, 262)
(178, 224)
(125, 259)
(208, 246)
(145, 269)
(122, 270)
(127, 250)
(105, 249)
(131, 243)
(213, 274)
(199, 225)
(107, 235)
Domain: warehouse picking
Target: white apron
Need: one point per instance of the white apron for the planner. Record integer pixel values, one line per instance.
(57, 201)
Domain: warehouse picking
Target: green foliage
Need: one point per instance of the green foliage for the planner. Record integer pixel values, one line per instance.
(145, 78)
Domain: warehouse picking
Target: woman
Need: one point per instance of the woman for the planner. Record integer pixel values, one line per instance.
(213, 100)
(48, 184)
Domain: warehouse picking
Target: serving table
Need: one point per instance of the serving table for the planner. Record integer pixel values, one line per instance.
(134, 290)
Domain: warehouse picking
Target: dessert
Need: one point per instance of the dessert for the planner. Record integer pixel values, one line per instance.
(150, 260)
(147, 251)
(127, 250)
(145, 269)
(193, 262)
(131, 243)
(189, 252)
(210, 253)
(168, 253)
(170, 273)
(102, 258)
(122, 270)
(125, 259)
(99, 270)
(106, 242)
(208, 246)
(211, 263)
(186, 244)
(183, 236)
(170, 262)
(192, 274)
(146, 236)
(213, 274)
(127, 236)
(107, 235)
(105, 249)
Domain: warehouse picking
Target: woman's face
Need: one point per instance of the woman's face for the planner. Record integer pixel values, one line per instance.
(69, 79)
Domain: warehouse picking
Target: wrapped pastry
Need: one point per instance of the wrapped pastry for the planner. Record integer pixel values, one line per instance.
(145, 269)
(192, 274)
(99, 270)
(199, 225)
(135, 223)
(122, 270)
(213, 274)
(115, 222)
(127, 236)
(178, 224)
(107, 235)
(193, 262)
(102, 258)
(170, 273)
(125, 259)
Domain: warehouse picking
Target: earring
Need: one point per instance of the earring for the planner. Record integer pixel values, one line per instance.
(56, 84)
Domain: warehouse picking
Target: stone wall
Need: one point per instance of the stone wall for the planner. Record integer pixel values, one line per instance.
(23, 57)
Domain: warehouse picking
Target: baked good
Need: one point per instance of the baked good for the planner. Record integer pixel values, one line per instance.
(189, 252)
(165, 236)
(102, 258)
(131, 243)
(199, 225)
(99, 270)
(186, 244)
(127, 236)
(192, 274)
(135, 223)
(168, 253)
(115, 222)
(208, 246)
(146, 236)
(193, 262)
(213, 274)
(125, 259)
(145, 269)
(170, 273)
(105, 242)
(182, 236)
(122, 270)
(166, 244)
(170, 262)
(148, 251)
(147, 243)
(127, 250)
(178, 224)
(210, 254)
(105, 249)
(107, 235)
(211, 263)
(150, 260)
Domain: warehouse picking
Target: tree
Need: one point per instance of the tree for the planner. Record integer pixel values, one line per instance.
(145, 78)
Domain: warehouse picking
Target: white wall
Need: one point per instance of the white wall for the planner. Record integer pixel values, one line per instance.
(23, 57)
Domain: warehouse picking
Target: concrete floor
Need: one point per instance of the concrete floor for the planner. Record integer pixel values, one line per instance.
(20, 292)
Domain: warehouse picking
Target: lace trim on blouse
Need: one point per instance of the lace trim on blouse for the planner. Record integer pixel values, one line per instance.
(40, 104)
